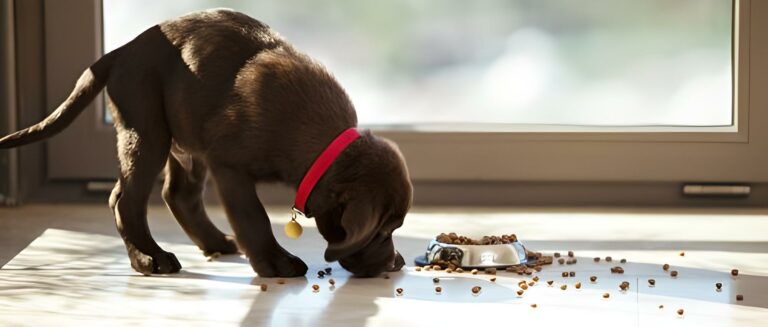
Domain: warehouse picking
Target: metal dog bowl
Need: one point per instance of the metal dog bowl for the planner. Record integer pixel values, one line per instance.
(474, 256)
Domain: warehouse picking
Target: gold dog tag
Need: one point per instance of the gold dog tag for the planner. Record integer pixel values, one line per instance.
(293, 228)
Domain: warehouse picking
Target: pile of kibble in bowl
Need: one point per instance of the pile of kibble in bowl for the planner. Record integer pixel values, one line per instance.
(453, 238)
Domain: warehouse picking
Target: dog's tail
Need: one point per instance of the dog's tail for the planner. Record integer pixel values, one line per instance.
(88, 86)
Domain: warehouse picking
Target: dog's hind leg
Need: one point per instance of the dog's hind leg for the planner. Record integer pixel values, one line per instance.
(183, 191)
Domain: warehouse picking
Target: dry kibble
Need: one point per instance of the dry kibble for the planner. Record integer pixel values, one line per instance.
(661, 306)
(624, 285)
(577, 285)
(570, 261)
(398, 290)
(739, 297)
(520, 292)
(418, 269)
(435, 280)
(673, 273)
(328, 270)
(682, 254)
(523, 285)
(535, 278)
(386, 276)
(427, 268)
(563, 287)
(459, 270)
(490, 271)
(608, 259)
(680, 312)
(533, 305)
(606, 295)
(617, 270)
(623, 261)
(564, 274)
(331, 281)
(315, 287)
(719, 286)
(438, 289)
(596, 259)
(570, 254)
(449, 270)
(593, 278)
(561, 261)
(549, 282)
(437, 267)
(474, 271)
(476, 289)
(665, 267)
(531, 283)
(320, 274)
(263, 287)
(557, 254)
(572, 274)
(735, 272)
(281, 281)
(493, 279)
(652, 282)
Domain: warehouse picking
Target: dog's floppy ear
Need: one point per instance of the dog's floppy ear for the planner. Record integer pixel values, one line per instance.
(360, 221)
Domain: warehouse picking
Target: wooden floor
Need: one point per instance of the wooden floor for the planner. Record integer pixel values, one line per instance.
(65, 265)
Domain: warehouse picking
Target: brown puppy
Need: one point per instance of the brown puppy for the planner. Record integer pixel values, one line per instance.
(219, 91)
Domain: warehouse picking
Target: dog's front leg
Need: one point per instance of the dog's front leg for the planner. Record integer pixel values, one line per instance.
(250, 223)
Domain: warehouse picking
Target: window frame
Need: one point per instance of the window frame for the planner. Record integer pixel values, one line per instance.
(599, 154)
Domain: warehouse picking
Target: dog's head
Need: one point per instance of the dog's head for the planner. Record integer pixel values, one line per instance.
(361, 201)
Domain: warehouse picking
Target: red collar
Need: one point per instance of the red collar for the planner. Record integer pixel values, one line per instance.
(321, 165)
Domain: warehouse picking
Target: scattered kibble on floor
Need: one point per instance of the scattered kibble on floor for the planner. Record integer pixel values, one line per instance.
(665, 267)
(476, 289)
(680, 312)
(577, 285)
(438, 289)
(661, 306)
(556, 254)
(735, 272)
(739, 297)
(564, 274)
(523, 285)
(474, 271)
(281, 281)
(493, 279)
(572, 274)
(570, 254)
(596, 259)
(263, 287)
(418, 269)
(549, 282)
(435, 280)
(520, 292)
(331, 281)
(561, 261)
(315, 287)
(533, 305)
(673, 273)
(623, 261)
(682, 254)
(563, 287)
(719, 286)
(652, 282)
(608, 259)
(606, 295)
(593, 278)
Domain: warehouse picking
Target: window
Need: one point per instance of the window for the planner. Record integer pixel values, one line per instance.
(449, 65)
(713, 133)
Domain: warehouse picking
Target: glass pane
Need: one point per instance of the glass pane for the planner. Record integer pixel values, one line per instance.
(457, 62)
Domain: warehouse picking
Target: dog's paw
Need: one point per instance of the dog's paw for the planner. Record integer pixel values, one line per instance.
(227, 245)
(280, 264)
(159, 263)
